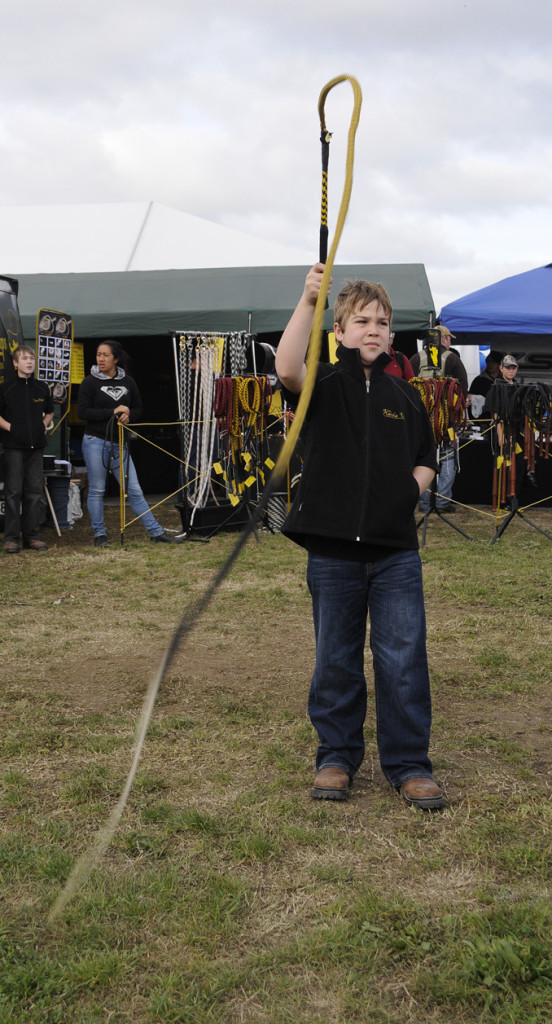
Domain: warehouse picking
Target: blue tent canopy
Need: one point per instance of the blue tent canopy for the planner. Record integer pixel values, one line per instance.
(517, 305)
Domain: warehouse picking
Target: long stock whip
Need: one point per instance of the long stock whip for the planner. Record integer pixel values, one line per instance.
(86, 863)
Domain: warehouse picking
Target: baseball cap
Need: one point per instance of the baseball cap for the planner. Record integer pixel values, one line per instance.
(444, 330)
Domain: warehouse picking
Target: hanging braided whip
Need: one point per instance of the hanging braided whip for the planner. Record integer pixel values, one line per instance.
(518, 412)
(446, 407)
(192, 614)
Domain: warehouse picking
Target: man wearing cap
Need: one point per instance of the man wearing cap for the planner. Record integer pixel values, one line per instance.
(508, 369)
(450, 365)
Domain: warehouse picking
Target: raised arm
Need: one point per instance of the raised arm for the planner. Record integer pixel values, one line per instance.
(292, 349)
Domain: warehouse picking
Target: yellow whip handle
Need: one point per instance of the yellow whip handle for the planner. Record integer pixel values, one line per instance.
(315, 341)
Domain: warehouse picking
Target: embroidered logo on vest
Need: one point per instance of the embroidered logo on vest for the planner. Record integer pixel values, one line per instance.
(393, 415)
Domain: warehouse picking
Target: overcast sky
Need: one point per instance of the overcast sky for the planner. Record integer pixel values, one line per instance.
(212, 108)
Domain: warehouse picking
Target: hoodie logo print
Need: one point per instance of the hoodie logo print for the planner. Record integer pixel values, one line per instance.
(116, 393)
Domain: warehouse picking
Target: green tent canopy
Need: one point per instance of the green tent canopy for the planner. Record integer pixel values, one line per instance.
(260, 299)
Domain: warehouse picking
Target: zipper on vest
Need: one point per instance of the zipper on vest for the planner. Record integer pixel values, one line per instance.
(362, 516)
(28, 413)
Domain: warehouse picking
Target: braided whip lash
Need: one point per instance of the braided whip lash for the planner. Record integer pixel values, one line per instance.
(91, 857)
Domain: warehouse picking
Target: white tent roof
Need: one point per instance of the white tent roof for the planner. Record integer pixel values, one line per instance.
(107, 237)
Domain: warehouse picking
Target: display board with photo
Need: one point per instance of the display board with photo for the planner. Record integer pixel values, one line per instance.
(54, 338)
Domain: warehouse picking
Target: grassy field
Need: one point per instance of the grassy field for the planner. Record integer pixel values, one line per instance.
(228, 895)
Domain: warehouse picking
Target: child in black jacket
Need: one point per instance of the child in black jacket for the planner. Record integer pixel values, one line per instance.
(369, 453)
(26, 410)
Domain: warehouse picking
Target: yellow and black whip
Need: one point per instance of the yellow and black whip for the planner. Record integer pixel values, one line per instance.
(91, 857)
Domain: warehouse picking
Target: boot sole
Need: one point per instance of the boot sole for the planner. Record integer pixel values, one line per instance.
(318, 793)
(429, 804)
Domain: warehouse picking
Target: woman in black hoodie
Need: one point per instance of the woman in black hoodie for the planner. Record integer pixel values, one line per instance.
(105, 395)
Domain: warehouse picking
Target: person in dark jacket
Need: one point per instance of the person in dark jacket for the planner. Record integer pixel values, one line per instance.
(108, 394)
(26, 410)
(482, 384)
(448, 364)
(368, 454)
(449, 361)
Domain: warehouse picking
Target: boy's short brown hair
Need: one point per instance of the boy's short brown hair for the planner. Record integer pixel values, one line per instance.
(357, 294)
(22, 350)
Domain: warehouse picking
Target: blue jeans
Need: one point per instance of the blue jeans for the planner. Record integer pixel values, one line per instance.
(445, 480)
(391, 592)
(23, 492)
(100, 456)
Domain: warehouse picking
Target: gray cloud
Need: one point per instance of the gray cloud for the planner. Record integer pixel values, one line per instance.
(213, 109)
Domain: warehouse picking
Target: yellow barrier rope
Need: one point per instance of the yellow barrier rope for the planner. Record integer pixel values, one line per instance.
(497, 514)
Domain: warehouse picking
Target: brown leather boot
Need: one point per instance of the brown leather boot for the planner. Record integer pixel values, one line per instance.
(331, 784)
(424, 793)
(11, 547)
(35, 545)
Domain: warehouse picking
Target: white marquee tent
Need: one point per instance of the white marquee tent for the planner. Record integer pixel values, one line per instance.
(111, 237)
(143, 269)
